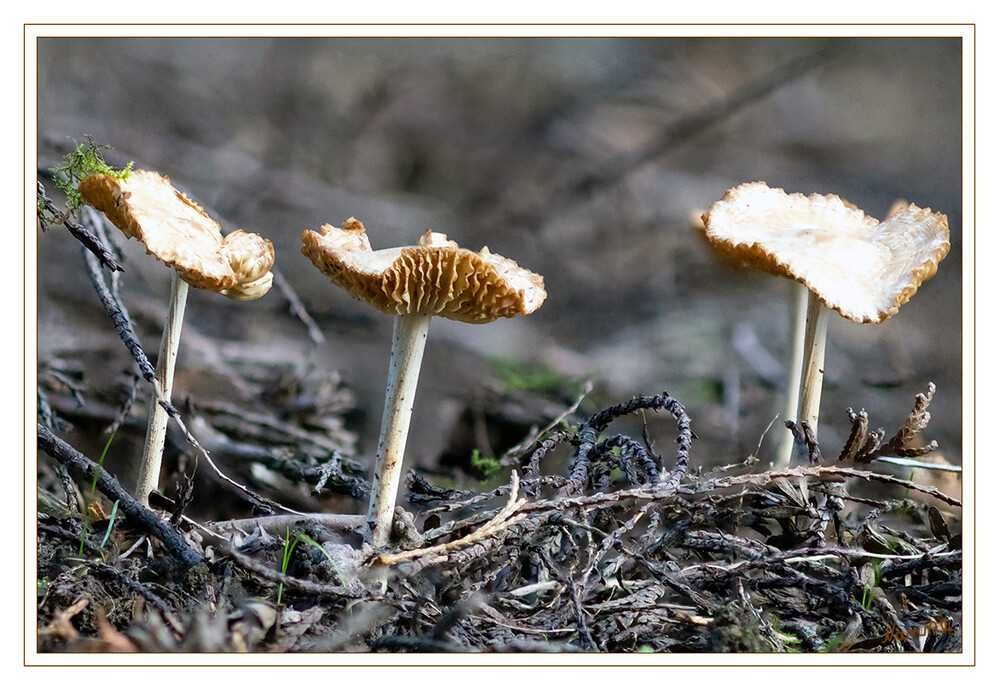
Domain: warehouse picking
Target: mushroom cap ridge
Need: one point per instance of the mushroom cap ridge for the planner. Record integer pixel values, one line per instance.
(436, 277)
(860, 267)
(178, 232)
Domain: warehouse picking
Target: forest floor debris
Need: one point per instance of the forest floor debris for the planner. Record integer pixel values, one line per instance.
(623, 552)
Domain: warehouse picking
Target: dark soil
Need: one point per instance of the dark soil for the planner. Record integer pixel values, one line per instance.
(557, 499)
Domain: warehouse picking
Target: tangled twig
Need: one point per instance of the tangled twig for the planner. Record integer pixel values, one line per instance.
(584, 466)
(507, 517)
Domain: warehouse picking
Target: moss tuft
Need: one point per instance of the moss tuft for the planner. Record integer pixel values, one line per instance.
(82, 162)
(488, 467)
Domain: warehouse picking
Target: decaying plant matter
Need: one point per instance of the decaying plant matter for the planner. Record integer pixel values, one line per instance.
(864, 445)
(622, 551)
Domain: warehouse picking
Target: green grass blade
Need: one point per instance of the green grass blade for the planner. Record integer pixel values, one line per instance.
(114, 511)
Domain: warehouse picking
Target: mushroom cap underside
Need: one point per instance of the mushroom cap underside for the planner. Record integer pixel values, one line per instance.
(177, 231)
(860, 267)
(435, 277)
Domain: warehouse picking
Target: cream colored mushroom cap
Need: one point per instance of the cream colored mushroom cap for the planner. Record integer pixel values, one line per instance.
(177, 231)
(435, 277)
(862, 268)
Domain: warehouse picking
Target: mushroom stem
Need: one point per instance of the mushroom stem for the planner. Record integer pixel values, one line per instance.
(799, 316)
(816, 325)
(152, 456)
(409, 338)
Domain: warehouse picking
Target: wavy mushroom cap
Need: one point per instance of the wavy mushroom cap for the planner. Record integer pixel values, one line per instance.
(435, 277)
(250, 257)
(862, 268)
(146, 207)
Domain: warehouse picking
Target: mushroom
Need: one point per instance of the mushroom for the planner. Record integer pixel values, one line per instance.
(178, 232)
(844, 260)
(434, 278)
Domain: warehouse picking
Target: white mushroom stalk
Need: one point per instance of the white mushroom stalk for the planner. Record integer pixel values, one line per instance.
(145, 206)
(434, 278)
(156, 428)
(799, 315)
(409, 338)
(813, 353)
(849, 262)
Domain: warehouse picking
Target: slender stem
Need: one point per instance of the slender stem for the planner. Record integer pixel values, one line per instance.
(149, 470)
(409, 338)
(816, 325)
(799, 315)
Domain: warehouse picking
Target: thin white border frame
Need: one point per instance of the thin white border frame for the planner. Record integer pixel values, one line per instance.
(965, 31)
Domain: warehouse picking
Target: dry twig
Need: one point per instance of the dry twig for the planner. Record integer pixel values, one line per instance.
(507, 517)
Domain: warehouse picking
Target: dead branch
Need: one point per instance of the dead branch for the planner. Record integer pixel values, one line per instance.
(79, 464)
(501, 521)
(864, 447)
(90, 241)
(584, 466)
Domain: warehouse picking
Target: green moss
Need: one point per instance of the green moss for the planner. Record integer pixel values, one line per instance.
(519, 376)
(82, 162)
(792, 641)
(486, 466)
(835, 643)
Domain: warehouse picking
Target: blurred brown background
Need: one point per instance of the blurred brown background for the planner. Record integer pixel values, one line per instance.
(583, 159)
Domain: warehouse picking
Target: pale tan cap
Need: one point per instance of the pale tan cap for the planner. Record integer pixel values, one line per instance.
(436, 277)
(177, 231)
(863, 268)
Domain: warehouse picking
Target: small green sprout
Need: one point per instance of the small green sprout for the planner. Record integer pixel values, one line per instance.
(289, 547)
(312, 542)
(871, 578)
(486, 466)
(114, 511)
(93, 490)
